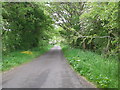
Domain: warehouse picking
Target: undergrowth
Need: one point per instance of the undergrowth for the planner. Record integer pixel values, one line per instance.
(101, 71)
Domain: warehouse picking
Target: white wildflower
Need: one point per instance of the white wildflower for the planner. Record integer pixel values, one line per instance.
(78, 60)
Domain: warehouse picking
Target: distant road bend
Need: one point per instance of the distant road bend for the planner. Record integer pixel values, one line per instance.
(50, 70)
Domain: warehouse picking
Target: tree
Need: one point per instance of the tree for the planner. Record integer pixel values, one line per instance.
(25, 26)
(92, 26)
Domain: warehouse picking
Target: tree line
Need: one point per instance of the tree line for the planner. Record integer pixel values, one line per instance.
(86, 25)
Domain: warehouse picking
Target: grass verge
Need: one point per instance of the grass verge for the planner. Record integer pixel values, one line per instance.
(19, 57)
(102, 72)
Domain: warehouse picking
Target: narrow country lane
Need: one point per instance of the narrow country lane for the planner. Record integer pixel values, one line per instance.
(50, 70)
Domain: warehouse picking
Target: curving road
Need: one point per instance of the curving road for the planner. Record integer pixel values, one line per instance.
(50, 70)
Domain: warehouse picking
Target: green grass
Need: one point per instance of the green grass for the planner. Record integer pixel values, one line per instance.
(102, 72)
(17, 58)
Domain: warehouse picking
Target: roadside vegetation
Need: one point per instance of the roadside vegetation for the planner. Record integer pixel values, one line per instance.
(17, 58)
(103, 72)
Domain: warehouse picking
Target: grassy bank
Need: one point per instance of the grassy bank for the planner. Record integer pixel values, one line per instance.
(19, 57)
(102, 72)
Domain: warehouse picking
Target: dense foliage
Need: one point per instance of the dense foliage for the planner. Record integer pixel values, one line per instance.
(86, 25)
(25, 26)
